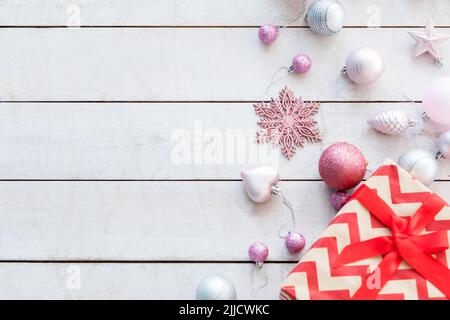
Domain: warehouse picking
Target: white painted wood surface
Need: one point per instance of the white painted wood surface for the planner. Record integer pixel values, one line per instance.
(169, 221)
(212, 12)
(173, 141)
(149, 59)
(208, 221)
(134, 280)
(207, 64)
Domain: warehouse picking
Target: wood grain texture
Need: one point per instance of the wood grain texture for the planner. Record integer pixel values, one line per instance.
(211, 12)
(199, 64)
(187, 141)
(146, 239)
(150, 220)
(154, 221)
(133, 281)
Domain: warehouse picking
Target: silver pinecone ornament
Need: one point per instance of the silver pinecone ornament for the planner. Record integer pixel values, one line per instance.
(391, 122)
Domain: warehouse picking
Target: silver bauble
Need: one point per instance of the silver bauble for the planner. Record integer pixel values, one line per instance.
(391, 122)
(444, 145)
(216, 288)
(364, 66)
(422, 165)
(325, 17)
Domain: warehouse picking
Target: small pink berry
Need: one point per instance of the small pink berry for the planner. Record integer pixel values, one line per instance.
(258, 252)
(338, 199)
(267, 33)
(294, 242)
(301, 63)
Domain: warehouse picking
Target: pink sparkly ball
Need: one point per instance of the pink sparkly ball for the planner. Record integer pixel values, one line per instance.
(267, 33)
(342, 166)
(294, 242)
(338, 199)
(258, 252)
(301, 63)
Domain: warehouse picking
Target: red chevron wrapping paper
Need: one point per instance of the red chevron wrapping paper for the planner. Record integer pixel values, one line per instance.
(362, 254)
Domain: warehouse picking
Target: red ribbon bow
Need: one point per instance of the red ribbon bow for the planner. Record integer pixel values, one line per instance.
(404, 244)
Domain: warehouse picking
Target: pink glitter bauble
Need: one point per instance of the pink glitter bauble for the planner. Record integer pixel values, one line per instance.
(258, 252)
(342, 166)
(338, 199)
(267, 33)
(301, 63)
(294, 242)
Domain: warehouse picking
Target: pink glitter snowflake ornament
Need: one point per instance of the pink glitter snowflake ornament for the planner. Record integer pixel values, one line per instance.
(287, 122)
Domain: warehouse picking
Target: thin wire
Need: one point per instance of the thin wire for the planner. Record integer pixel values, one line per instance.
(421, 126)
(273, 81)
(411, 100)
(276, 190)
(407, 97)
(290, 22)
(252, 277)
(423, 115)
(295, 19)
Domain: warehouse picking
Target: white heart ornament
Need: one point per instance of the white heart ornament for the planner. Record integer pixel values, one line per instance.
(258, 183)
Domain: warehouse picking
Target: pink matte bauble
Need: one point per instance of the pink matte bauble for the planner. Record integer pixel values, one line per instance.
(342, 166)
(338, 199)
(294, 242)
(436, 101)
(301, 63)
(267, 33)
(435, 127)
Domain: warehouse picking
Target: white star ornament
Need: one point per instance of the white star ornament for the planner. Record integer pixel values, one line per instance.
(429, 40)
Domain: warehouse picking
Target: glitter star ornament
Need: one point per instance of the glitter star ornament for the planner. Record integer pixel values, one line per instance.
(287, 122)
(429, 41)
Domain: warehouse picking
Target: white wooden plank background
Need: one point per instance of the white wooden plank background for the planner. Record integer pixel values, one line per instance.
(141, 221)
(139, 224)
(211, 12)
(209, 221)
(206, 64)
(133, 280)
(140, 141)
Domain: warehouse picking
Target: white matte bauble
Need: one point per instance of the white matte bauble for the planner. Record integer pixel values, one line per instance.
(216, 288)
(436, 101)
(364, 66)
(258, 182)
(325, 17)
(444, 144)
(421, 164)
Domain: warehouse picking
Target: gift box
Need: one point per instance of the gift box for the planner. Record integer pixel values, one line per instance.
(390, 241)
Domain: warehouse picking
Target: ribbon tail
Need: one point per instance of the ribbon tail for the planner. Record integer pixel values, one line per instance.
(431, 242)
(363, 250)
(373, 283)
(431, 269)
(426, 213)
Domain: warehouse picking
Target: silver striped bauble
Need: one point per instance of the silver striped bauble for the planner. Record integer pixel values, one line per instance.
(216, 288)
(421, 164)
(364, 66)
(325, 17)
